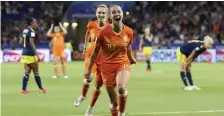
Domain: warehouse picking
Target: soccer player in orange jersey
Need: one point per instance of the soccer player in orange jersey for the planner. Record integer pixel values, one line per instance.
(115, 40)
(93, 28)
(58, 47)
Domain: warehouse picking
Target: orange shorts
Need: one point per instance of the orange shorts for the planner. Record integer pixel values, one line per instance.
(99, 77)
(59, 53)
(109, 71)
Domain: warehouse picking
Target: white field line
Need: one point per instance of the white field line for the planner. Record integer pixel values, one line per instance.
(157, 113)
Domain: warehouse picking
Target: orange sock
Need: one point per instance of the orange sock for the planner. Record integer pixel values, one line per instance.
(96, 94)
(56, 69)
(85, 89)
(63, 69)
(122, 102)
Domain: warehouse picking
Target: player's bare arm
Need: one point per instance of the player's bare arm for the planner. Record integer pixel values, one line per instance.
(32, 44)
(140, 44)
(50, 30)
(130, 56)
(87, 37)
(92, 60)
(21, 41)
(62, 28)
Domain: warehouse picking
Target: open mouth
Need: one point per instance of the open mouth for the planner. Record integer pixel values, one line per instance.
(117, 18)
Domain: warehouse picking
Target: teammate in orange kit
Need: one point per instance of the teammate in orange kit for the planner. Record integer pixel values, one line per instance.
(58, 47)
(115, 40)
(93, 28)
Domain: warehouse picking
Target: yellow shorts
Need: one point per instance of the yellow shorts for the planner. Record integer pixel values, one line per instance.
(147, 50)
(29, 59)
(181, 57)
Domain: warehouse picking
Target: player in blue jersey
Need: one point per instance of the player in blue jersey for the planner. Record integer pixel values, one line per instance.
(145, 45)
(186, 54)
(29, 55)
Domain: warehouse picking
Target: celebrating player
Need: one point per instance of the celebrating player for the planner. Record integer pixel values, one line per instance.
(58, 47)
(93, 28)
(186, 54)
(115, 40)
(30, 56)
(146, 44)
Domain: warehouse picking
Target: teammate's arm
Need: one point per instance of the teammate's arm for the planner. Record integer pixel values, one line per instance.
(93, 57)
(50, 30)
(130, 56)
(62, 28)
(87, 37)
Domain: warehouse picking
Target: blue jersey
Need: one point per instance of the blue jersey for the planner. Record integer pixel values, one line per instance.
(27, 34)
(196, 45)
(147, 43)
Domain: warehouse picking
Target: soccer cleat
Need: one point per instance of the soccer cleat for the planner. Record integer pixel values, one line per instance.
(195, 87)
(65, 76)
(43, 90)
(55, 76)
(79, 101)
(89, 111)
(148, 70)
(121, 114)
(24, 92)
(188, 88)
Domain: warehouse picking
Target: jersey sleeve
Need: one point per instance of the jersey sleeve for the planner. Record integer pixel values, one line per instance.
(25, 33)
(199, 49)
(130, 37)
(32, 34)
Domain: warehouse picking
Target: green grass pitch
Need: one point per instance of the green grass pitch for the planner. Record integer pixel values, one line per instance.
(158, 91)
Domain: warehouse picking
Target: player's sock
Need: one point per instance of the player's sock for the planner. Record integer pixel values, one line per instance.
(113, 110)
(148, 64)
(189, 78)
(122, 101)
(25, 81)
(63, 69)
(38, 81)
(85, 88)
(96, 94)
(183, 77)
(56, 69)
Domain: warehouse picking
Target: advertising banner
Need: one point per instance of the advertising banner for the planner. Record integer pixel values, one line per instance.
(12, 55)
(207, 56)
(164, 55)
(220, 55)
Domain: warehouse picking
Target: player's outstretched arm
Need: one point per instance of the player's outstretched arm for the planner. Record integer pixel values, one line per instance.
(191, 57)
(62, 28)
(130, 56)
(50, 30)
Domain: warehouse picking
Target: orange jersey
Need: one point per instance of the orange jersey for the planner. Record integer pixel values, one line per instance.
(58, 40)
(114, 46)
(92, 30)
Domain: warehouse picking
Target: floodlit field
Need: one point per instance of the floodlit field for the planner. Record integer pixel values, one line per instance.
(156, 93)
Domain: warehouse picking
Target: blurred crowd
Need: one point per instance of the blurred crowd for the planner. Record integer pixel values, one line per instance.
(178, 22)
(13, 21)
(170, 22)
